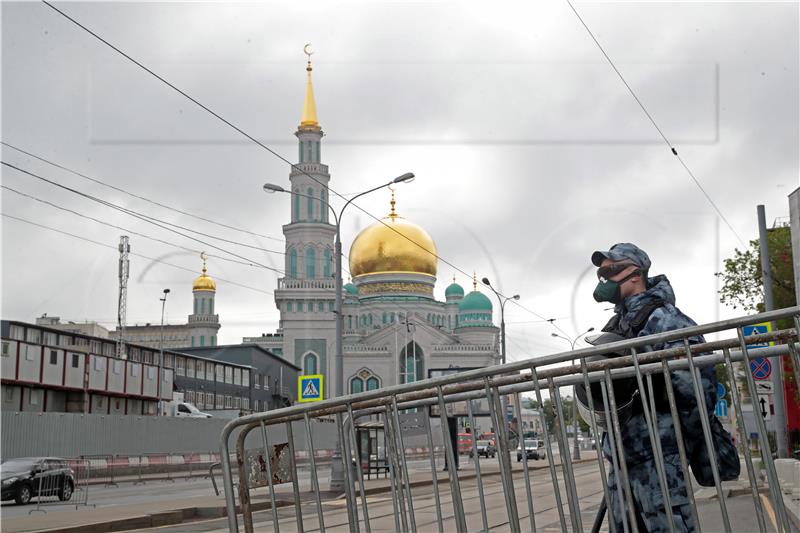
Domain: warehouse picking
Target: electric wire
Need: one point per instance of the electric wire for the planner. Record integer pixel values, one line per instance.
(127, 230)
(137, 215)
(86, 239)
(134, 195)
(655, 125)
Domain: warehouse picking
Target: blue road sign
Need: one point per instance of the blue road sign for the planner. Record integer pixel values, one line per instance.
(760, 367)
(756, 329)
(309, 388)
(720, 390)
(722, 409)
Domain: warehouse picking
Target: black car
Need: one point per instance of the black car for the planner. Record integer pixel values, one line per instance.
(26, 477)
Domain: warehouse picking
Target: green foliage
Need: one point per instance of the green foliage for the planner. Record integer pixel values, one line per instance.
(742, 277)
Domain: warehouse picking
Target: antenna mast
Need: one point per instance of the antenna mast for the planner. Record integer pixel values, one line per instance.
(124, 268)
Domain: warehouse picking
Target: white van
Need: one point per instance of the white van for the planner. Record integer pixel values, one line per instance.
(175, 408)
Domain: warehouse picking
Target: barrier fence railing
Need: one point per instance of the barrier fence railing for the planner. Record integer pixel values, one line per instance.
(59, 482)
(664, 393)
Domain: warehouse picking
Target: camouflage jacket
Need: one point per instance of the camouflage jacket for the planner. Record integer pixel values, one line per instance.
(639, 457)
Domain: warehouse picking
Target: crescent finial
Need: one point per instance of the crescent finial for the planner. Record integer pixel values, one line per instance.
(307, 51)
(203, 257)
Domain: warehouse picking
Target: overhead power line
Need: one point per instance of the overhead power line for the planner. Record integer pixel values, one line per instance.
(62, 232)
(655, 125)
(127, 230)
(134, 195)
(145, 218)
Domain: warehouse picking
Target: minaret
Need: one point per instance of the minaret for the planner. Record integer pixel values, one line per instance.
(305, 295)
(203, 323)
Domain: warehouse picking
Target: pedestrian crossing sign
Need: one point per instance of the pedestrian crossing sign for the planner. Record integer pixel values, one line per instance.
(309, 388)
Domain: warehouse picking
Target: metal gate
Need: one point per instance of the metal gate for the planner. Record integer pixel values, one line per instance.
(523, 493)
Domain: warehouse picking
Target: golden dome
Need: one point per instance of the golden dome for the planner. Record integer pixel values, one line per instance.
(393, 245)
(203, 281)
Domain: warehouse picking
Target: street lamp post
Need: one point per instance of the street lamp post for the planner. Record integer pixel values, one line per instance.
(161, 355)
(503, 300)
(336, 475)
(576, 451)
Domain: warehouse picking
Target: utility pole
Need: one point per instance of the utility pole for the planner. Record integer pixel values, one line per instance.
(777, 363)
(122, 302)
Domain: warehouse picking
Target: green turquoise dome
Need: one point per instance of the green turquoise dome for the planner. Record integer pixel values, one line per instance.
(351, 289)
(475, 301)
(454, 290)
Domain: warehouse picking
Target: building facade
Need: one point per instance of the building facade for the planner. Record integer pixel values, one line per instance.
(395, 330)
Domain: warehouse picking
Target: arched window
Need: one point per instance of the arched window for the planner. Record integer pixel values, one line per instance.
(373, 383)
(296, 205)
(195, 306)
(311, 263)
(356, 385)
(310, 204)
(310, 152)
(392, 317)
(310, 366)
(202, 306)
(323, 205)
(319, 152)
(411, 363)
(326, 263)
(385, 317)
(292, 263)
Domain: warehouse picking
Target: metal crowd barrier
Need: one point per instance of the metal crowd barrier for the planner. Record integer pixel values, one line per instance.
(61, 482)
(456, 503)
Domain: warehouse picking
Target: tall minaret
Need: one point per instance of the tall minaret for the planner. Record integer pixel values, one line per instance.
(305, 296)
(203, 322)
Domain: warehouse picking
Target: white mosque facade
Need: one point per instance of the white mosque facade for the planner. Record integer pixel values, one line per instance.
(395, 330)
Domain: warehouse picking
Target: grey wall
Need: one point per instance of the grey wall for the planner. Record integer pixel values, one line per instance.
(74, 434)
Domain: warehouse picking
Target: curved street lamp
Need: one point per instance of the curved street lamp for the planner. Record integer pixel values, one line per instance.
(503, 300)
(576, 451)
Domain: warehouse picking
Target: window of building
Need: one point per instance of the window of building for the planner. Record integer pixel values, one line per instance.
(310, 364)
(190, 368)
(168, 360)
(50, 338)
(80, 341)
(311, 263)
(320, 306)
(211, 306)
(35, 396)
(30, 352)
(310, 200)
(202, 340)
(288, 307)
(237, 376)
(76, 360)
(17, 333)
(220, 374)
(180, 368)
(246, 403)
(356, 385)
(53, 357)
(96, 347)
(190, 396)
(310, 158)
(117, 367)
(323, 195)
(9, 393)
(109, 349)
(64, 340)
(34, 335)
(237, 402)
(330, 306)
(134, 370)
(326, 263)
(6, 349)
(228, 374)
(373, 383)
(213, 340)
(257, 381)
(228, 401)
(296, 204)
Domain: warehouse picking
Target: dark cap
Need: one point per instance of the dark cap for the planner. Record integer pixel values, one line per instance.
(622, 251)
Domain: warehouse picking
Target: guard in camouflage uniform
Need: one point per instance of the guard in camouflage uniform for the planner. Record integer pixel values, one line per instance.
(646, 306)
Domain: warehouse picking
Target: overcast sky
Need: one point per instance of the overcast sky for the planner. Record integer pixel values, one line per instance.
(529, 151)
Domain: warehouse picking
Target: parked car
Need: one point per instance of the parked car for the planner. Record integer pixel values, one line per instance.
(534, 449)
(178, 408)
(23, 478)
(485, 448)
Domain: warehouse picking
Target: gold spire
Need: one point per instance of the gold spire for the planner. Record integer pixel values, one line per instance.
(204, 282)
(309, 119)
(474, 281)
(393, 213)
